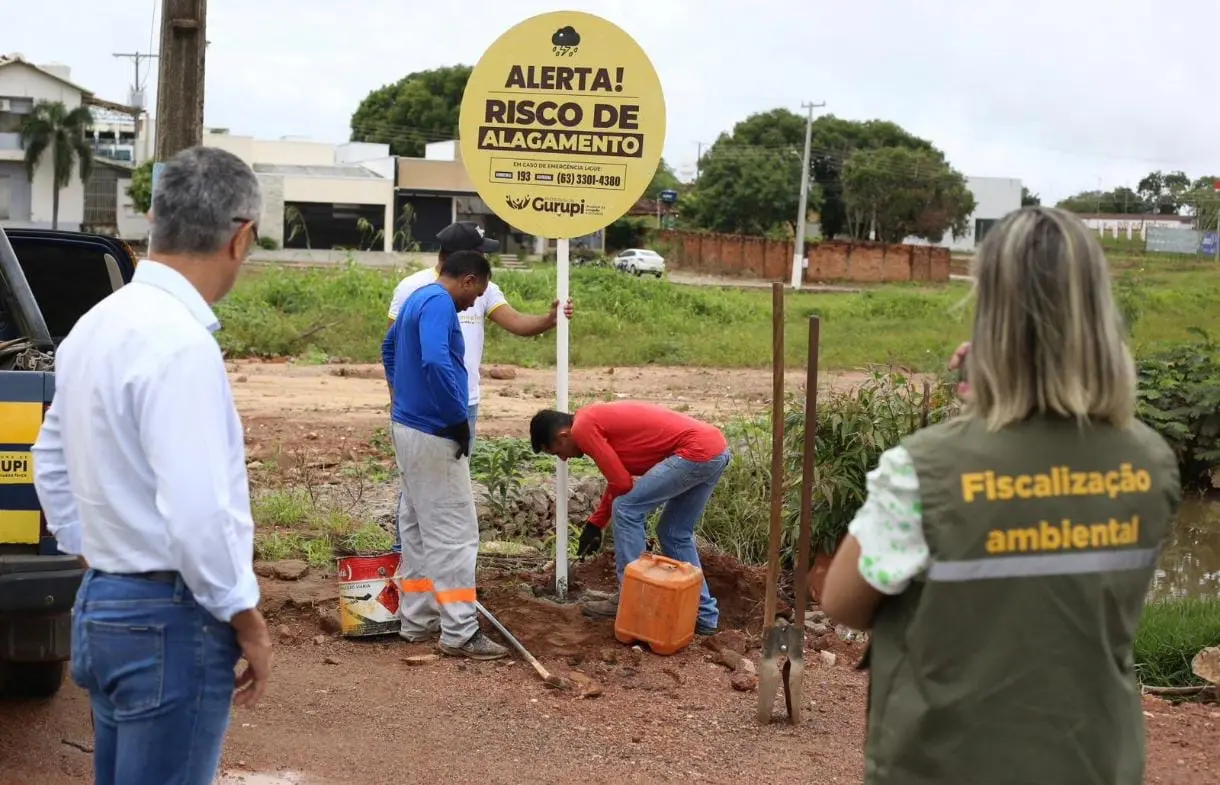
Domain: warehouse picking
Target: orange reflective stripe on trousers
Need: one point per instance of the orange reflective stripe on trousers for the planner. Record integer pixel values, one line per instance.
(415, 585)
(450, 596)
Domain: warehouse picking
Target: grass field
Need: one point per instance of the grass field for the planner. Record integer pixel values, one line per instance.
(340, 313)
(1171, 632)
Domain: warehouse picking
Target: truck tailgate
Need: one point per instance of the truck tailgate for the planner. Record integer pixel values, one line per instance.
(24, 396)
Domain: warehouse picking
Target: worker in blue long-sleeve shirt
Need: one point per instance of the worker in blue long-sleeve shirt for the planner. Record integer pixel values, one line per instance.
(423, 357)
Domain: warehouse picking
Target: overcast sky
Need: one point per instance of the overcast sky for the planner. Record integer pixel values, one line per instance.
(1063, 94)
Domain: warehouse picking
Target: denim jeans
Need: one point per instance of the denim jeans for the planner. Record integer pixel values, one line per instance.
(159, 671)
(683, 488)
(472, 413)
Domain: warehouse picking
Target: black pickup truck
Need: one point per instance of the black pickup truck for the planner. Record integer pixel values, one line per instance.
(48, 280)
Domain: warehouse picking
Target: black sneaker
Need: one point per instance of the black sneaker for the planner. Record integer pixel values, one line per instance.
(479, 647)
(704, 630)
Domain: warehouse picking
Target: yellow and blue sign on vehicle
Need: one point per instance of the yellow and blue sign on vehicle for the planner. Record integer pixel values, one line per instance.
(24, 397)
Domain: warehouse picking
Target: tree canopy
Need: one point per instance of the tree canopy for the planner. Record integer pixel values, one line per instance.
(1157, 193)
(1029, 198)
(663, 180)
(421, 107)
(53, 128)
(1119, 201)
(901, 192)
(749, 180)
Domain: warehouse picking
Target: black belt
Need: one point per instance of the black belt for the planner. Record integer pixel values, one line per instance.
(159, 576)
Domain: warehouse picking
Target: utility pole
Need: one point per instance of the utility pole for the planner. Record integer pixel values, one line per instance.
(798, 250)
(180, 76)
(136, 100)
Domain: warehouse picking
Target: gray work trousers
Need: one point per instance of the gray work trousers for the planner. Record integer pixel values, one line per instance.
(440, 538)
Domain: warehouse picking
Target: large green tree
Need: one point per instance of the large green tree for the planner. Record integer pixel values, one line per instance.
(750, 179)
(1120, 201)
(768, 146)
(60, 133)
(834, 142)
(419, 108)
(899, 192)
(1029, 198)
(1163, 191)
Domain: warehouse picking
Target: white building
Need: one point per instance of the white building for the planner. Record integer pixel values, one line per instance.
(994, 198)
(1132, 226)
(319, 195)
(23, 202)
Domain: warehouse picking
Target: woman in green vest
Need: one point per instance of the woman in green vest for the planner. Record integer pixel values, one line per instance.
(1001, 559)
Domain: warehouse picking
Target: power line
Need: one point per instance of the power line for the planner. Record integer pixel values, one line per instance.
(152, 30)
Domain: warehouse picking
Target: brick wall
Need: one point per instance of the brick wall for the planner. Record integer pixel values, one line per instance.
(877, 263)
(727, 254)
(757, 257)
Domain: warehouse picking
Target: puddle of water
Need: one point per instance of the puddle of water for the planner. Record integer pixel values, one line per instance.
(1190, 564)
(261, 778)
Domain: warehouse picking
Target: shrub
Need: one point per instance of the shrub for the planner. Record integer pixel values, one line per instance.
(1179, 396)
(854, 428)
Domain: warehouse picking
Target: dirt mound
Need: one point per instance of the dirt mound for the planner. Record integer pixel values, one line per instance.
(546, 627)
(739, 589)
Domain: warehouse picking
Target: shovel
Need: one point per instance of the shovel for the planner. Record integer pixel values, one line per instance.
(783, 639)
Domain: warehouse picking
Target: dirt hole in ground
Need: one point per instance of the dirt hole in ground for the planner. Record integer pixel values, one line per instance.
(523, 601)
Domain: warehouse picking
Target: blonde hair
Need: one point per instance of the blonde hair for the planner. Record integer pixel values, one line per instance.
(1048, 338)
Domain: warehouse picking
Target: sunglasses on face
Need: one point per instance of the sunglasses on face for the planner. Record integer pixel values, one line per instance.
(253, 227)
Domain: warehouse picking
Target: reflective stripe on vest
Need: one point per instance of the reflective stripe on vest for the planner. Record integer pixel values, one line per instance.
(1037, 566)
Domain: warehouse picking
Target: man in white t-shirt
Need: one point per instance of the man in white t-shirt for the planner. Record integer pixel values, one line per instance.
(469, 236)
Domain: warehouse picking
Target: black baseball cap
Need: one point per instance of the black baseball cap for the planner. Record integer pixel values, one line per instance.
(466, 236)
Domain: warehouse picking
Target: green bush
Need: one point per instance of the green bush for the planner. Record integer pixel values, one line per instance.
(1170, 634)
(854, 428)
(1179, 396)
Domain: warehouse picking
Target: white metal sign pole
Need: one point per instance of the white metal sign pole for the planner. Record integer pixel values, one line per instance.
(562, 259)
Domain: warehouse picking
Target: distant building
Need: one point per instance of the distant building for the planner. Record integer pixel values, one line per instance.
(320, 195)
(25, 202)
(994, 197)
(1133, 226)
(435, 191)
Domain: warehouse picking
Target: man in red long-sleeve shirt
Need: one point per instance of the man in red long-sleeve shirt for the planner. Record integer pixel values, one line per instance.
(651, 457)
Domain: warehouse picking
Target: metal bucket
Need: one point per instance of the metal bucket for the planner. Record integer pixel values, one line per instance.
(368, 596)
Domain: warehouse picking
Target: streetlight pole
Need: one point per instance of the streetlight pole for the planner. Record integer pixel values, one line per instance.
(798, 250)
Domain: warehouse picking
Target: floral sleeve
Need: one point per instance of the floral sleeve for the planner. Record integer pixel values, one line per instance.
(889, 526)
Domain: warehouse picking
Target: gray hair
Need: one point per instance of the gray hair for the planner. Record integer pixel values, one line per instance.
(202, 195)
(1048, 337)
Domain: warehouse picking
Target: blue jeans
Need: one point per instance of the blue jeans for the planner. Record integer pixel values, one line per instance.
(159, 670)
(472, 413)
(683, 487)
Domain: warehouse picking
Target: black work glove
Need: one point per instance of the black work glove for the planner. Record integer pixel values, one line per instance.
(459, 433)
(590, 541)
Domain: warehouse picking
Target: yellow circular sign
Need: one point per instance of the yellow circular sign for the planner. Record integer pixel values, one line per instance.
(562, 124)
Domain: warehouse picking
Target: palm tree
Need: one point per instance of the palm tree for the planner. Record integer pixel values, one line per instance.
(52, 126)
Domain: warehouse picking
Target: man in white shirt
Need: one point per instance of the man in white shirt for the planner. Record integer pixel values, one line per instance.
(469, 236)
(140, 469)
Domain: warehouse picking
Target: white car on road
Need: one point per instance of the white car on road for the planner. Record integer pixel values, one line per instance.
(639, 261)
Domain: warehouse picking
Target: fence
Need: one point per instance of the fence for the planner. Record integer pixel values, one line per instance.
(877, 263)
(731, 254)
(727, 254)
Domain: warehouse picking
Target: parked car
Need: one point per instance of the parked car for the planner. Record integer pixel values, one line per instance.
(640, 261)
(48, 280)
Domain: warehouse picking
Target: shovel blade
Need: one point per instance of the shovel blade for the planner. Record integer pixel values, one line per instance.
(768, 687)
(794, 674)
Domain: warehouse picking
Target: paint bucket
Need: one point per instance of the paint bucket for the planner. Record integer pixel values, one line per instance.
(368, 596)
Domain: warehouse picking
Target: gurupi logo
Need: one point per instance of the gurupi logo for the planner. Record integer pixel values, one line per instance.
(565, 41)
(542, 205)
(15, 468)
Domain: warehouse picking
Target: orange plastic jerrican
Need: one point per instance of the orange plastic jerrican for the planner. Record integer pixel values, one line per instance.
(659, 603)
